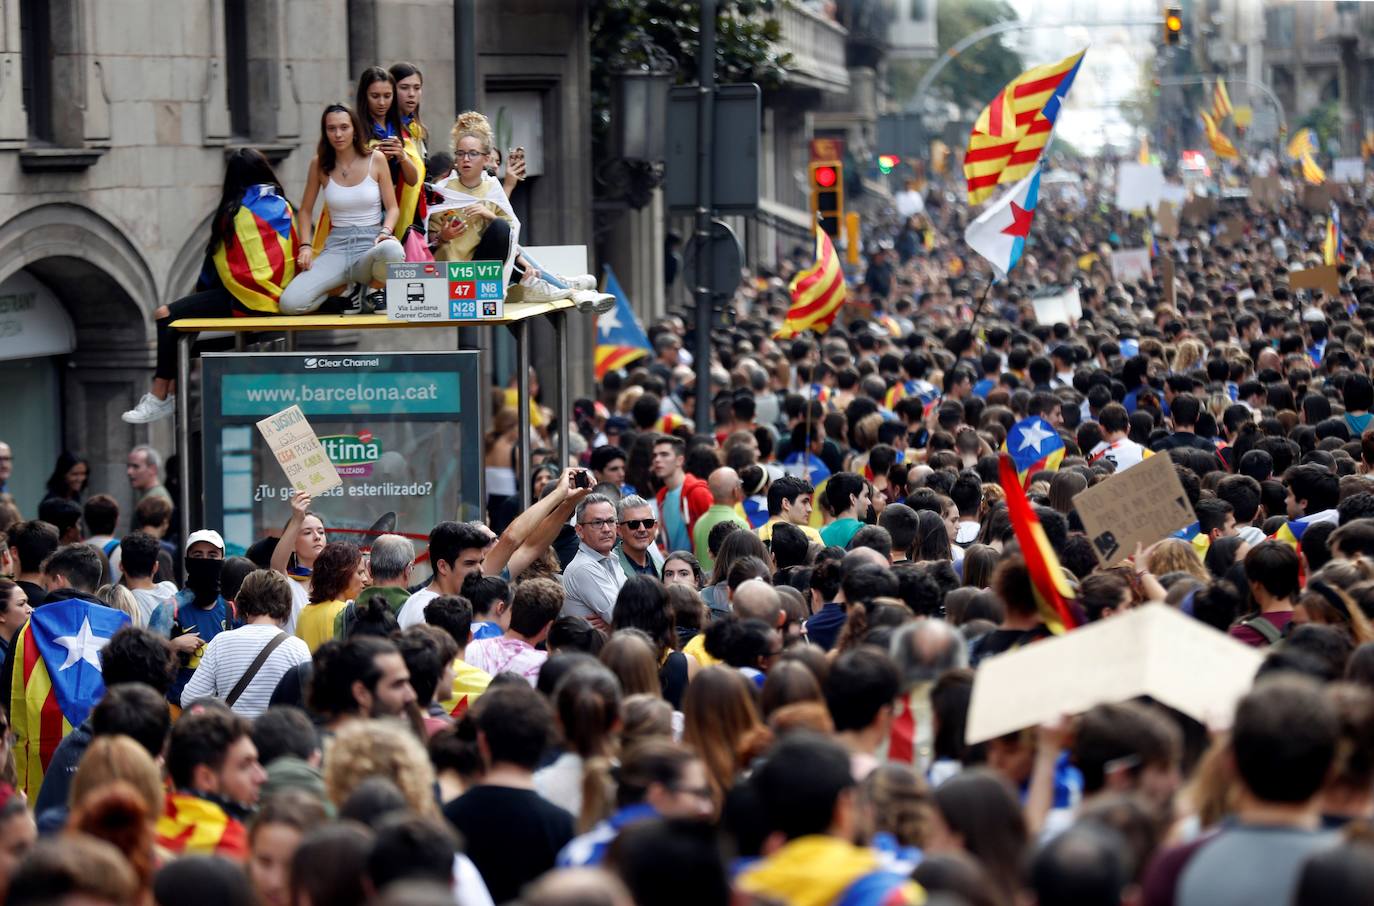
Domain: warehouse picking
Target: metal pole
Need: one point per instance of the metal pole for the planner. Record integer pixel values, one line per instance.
(1260, 86)
(522, 363)
(706, 91)
(465, 99)
(565, 423)
(184, 431)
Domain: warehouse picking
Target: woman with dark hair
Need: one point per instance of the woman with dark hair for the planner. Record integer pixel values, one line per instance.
(378, 104)
(979, 562)
(252, 222)
(356, 236)
(931, 541)
(1224, 553)
(976, 813)
(681, 567)
(643, 604)
(410, 84)
(70, 475)
(337, 578)
(737, 546)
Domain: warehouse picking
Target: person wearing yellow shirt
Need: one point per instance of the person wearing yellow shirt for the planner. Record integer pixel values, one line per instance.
(789, 500)
(339, 575)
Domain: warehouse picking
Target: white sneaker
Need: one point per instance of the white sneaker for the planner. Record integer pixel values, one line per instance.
(592, 302)
(582, 281)
(151, 409)
(537, 289)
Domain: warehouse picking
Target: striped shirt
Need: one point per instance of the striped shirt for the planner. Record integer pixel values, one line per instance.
(229, 654)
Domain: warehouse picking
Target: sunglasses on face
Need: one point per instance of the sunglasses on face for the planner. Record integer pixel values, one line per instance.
(637, 524)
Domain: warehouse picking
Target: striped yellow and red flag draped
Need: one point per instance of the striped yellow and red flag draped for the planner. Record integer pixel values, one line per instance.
(258, 255)
(1052, 592)
(1015, 126)
(35, 716)
(1221, 145)
(1301, 144)
(1311, 173)
(190, 825)
(817, 293)
(1221, 101)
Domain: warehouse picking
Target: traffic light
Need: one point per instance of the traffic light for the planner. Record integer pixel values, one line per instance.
(827, 195)
(887, 163)
(1173, 24)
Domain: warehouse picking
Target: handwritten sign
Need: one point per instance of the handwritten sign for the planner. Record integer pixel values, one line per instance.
(302, 456)
(1137, 506)
(1325, 277)
(1153, 650)
(1131, 264)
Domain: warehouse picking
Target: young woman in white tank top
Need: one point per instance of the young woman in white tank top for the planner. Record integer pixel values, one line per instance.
(361, 202)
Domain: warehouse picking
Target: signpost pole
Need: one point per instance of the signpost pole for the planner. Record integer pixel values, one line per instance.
(704, 291)
(565, 420)
(184, 430)
(522, 364)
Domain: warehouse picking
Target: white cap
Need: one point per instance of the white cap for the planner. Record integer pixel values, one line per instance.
(206, 534)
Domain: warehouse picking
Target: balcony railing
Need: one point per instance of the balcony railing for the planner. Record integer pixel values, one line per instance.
(817, 46)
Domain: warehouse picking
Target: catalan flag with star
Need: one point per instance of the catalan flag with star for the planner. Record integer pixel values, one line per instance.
(258, 255)
(817, 293)
(1034, 446)
(1051, 589)
(619, 338)
(1011, 133)
(56, 679)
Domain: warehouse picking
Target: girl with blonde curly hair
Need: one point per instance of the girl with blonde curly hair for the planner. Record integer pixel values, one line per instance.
(379, 748)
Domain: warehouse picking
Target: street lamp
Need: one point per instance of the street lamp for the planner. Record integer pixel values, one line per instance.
(639, 122)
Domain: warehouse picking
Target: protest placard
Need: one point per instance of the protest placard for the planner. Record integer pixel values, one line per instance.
(1138, 186)
(1152, 650)
(1266, 191)
(1064, 307)
(299, 451)
(1138, 506)
(1232, 232)
(1130, 265)
(1325, 278)
(1174, 193)
(1197, 210)
(1347, 169)
(1316, 199)
(1166, 220)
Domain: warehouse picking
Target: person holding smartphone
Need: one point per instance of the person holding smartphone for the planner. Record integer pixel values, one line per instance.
(381, 109)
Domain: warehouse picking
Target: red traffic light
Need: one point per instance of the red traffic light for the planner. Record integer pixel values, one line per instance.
(825, 177)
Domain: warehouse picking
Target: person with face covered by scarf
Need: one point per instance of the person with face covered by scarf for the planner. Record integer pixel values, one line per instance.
(198, 612)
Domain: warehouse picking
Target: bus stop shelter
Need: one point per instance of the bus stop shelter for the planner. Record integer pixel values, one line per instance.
(517, 318)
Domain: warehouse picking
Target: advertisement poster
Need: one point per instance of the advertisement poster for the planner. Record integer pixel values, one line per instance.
(403, 431)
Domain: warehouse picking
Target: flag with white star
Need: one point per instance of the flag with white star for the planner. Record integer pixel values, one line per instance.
(1034, 446)
(999, 234)
(56, 679)
(619, 338)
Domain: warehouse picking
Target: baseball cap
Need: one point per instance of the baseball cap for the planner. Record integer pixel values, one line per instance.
(205, 534)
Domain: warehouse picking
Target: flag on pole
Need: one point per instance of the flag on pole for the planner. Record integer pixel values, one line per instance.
(1144, 156)
(1221, 101)
(1034, 446)
(619, 338)
(1311, 173)
(56, 679)
(1301, 144)
(1221, 145)
(1333, 246)
(817, 292)
(1013, 129)
(1051, 589)
(999, 234)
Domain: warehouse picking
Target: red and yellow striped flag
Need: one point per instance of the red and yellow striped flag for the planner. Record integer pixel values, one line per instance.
(1311, 173)
(1052, 592)
(190, 825)
(1221, 101)
(1221, 145)
(817, 293)
(1015, 126)
(35, 714)
(258, 255)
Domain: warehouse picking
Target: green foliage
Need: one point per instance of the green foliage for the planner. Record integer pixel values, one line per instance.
(1324, 121)
(621, 30)
(977, 74)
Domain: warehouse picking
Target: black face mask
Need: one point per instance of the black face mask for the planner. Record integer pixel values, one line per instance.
(202, 577)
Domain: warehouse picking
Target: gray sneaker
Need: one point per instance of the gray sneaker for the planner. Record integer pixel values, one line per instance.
(537, 289)
(151, 409)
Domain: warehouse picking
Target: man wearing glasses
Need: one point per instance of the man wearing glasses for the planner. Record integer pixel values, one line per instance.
(639, 555)
(593, 578)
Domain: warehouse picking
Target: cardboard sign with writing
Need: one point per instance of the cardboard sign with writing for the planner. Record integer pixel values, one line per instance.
(1152, 650)
(1325, 278)
(1166, 220)
(1197, 210)
(1138, 506)
(1131, 264)
(1316, 199)
(298, 449)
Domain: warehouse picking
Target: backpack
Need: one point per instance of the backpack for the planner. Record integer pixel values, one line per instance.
(1265, 628)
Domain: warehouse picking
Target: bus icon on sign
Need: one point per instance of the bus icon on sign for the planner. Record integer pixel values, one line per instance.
(415, 292)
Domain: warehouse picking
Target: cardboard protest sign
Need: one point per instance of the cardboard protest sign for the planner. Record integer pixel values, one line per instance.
(1152, 650)
(1232, 232)
(1325, 278)
(1138, 506)
(1138, 186)
(1059, 308)
(1266, 191)
(1347, 169)
(1174, 193)
(1316, 199)
(298, 449)
(1197, 210)
(1166, 220)
(1129, 265)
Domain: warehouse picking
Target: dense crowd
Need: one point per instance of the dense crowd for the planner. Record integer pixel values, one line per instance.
(737, 665)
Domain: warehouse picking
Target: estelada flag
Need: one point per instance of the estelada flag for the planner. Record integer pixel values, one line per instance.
(56, 679)
(619, 338)
(1013, 129)
(1301, 144)
(1221, 101)
(190, 825)
(1034, 446)
(258, 255)
(817, 293)
(1051, 589)
(1221, 145)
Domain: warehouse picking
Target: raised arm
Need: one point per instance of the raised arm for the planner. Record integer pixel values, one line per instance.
(534, 523)
(286, 545)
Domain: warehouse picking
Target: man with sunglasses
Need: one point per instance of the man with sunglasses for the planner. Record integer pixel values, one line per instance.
(593, 578)
(639, 555)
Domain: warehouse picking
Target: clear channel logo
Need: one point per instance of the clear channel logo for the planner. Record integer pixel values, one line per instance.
(314, 363)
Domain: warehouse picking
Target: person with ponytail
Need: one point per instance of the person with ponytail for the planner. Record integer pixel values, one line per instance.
(587, 702)
(378, 104)
(250, 258)
(410, 84)
(355, 239)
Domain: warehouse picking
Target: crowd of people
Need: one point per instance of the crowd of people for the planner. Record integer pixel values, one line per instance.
(736, 665)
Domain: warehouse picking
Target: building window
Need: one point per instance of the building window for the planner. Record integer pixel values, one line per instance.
(236, 66)
(36, 49)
